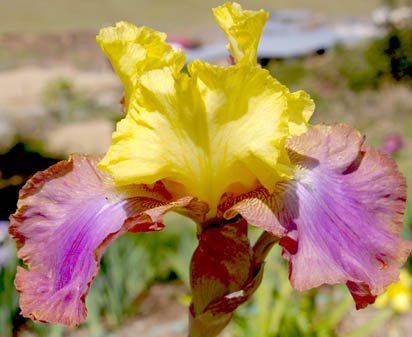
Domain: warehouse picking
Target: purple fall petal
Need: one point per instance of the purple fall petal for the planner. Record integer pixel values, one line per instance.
(342, 213)
(66, 217)
(350, 204)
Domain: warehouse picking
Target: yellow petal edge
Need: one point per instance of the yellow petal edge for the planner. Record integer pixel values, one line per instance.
(209, 131)
(135, 50)
(243, 29)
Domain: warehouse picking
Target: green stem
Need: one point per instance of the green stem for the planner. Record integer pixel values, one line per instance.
(263, 246)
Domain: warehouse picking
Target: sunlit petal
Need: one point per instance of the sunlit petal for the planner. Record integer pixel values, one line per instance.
(135, 50)
(66, 217)
(243, 29)
(218, 129)
(342, 213)
(211, 130)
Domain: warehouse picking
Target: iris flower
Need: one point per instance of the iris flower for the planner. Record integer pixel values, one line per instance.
(227, 147)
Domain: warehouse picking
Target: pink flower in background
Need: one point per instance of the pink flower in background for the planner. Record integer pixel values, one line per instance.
(392, 143)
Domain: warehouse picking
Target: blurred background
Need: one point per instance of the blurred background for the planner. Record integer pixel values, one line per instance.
(58, 95)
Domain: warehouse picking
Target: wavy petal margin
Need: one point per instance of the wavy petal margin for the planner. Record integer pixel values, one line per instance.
(213, 129)
(243, 29)
(133, 51)
(339, 219)
(219, 129)
(66, 217)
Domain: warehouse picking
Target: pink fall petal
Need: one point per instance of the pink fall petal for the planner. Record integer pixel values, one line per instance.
(67, 215)
(342, 213)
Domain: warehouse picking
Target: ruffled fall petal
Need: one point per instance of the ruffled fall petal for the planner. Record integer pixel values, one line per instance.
(135, 50)
(243, 29)
(342, 213)
(66, 217)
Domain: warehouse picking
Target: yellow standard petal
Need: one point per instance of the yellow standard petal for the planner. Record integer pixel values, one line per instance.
(243, 29)
(210, 131)
(300, 110)
(134, 50)
(216, 128)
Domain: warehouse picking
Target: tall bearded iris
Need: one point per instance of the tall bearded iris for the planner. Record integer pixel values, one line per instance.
(226, 147)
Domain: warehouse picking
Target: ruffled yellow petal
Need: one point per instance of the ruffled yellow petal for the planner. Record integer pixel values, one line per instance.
(211, 131)
(300, 110)
(217, 129)
(135, 50)
(243, 29)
